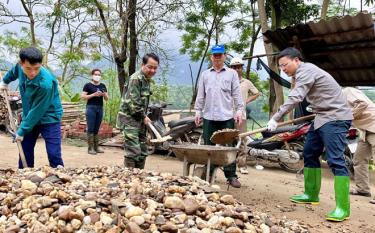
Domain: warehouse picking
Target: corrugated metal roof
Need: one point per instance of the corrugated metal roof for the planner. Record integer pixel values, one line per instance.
(344, 47)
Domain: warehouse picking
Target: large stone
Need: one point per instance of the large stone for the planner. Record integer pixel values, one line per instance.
(86, 204)
(95, 217)
(174, 203)
(38, 227)
(12, 229)
(169, 227)
(265, 228)
(76, 224)
(29, 186)
(105, 219)
(134, 211)
(190, 205)
(139, 220)
(132, 227)
(233, 230)
(228, 200)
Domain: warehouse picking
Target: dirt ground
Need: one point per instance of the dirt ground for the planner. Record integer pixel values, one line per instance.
(264, 190)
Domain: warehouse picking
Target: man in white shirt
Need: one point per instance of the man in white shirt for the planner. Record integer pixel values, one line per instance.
(364, 117)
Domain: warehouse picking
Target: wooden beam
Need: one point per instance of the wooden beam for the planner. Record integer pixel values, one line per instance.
(261, 55)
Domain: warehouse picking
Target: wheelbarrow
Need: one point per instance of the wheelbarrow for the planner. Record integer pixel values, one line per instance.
(206, 155)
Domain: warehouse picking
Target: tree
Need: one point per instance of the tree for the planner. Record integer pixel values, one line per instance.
(324, 9)
(140, 21)
(203, 24)
(248, 35)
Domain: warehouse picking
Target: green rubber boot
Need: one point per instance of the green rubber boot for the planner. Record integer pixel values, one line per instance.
(313, 177)
(342, 211)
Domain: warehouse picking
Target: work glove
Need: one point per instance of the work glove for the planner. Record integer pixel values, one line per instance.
(272, 125)
(362, 135)
(3, 86)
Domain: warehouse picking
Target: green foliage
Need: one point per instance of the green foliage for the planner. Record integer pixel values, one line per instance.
(336, 9)
(112, 106)
(203, 20)
(76, 98)
(293, 11)
(159, 92)
(179, 96)
(12, 41)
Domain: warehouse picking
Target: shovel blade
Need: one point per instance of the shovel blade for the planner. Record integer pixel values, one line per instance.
(225, 136)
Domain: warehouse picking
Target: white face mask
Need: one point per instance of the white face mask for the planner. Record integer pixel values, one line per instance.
(96, 78)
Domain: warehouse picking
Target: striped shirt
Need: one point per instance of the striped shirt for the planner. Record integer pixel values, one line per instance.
(217, 92)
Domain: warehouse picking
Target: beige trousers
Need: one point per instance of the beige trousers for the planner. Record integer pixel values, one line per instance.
(365, 151)
(241, 158)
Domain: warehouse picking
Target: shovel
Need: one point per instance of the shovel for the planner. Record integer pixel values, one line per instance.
(159, 138)
(14, 128)
(227, 136)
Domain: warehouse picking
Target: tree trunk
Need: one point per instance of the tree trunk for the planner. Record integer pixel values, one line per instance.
(121, 74)
(253, 40)
(325, 9)
(133, 37)
(251, 52)
(32, 21)
(276, 91)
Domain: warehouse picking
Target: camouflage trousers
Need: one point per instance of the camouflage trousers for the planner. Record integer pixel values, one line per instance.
(135, 145)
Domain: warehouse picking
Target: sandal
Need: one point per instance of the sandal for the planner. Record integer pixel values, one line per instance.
(356, 192)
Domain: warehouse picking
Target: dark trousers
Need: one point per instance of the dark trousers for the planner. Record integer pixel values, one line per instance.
(209, 127)
(331, 137)
(52, 137)
(94, 116)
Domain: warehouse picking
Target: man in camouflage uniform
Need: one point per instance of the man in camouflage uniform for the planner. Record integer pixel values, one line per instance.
(132, 118)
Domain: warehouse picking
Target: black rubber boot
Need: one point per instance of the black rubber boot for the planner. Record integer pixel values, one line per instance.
(96, 144)
(140, 164)
(129, 163)
(90, 142)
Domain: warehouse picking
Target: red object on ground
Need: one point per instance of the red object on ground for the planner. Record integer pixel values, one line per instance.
(78, 130)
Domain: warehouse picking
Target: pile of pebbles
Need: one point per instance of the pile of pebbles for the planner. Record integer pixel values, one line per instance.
(115, 199)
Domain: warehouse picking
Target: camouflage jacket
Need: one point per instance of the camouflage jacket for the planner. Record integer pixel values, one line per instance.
(135, 99)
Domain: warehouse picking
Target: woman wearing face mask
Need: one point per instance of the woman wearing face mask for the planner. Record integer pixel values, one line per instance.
(94, 92)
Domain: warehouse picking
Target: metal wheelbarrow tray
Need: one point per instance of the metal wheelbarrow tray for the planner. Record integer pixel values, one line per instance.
(204, 154)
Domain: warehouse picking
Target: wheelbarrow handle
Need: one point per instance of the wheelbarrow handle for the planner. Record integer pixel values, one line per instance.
(309, 117)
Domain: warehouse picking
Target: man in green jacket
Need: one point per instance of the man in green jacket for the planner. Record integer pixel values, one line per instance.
(41, 105)
(132, 118)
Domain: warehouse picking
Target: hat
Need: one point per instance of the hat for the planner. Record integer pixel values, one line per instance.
(236, 61)
(216, 49)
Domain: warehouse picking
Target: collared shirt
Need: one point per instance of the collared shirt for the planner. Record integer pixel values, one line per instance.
(217, 92)
(322, 92)
(40, 98)
(247, 89)
(362, 107)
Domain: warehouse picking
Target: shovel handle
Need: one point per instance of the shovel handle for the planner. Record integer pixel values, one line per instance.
(278, 125)
(14, 128)
(157, 134)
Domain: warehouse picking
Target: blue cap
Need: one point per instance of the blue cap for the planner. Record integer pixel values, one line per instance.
(219, 48)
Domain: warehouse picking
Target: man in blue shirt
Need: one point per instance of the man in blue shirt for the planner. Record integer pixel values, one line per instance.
(41, 105)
